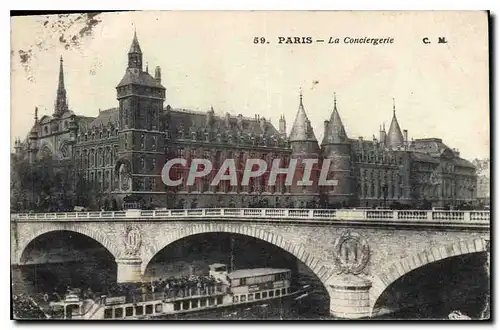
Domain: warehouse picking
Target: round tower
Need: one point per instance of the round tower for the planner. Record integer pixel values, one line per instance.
(336, 150)
(304, 146)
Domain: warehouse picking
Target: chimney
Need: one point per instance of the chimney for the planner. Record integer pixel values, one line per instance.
(326, 123)
(262, 121)
(382, 135)
(405, 135)
(282, 126)
(158, 74)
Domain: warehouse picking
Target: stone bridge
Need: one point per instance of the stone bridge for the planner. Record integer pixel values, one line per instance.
(356, 254)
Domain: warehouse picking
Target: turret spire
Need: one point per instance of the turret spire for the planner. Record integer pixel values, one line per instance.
(394, 138)
(61, 105)
(135, 54)
(334, 129)
(301, 129)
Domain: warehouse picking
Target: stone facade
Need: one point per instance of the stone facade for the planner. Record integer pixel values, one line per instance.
(483, 180)
(122, 151)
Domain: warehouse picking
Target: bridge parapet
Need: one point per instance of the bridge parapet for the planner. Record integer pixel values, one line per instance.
(481, 218)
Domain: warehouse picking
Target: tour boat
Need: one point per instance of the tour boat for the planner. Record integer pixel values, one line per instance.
(241, 287)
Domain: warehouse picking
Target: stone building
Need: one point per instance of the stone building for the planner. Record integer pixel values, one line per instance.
(122, 152)
(483, 180)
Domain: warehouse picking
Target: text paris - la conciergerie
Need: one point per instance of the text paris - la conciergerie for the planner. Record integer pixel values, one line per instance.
(336, 40)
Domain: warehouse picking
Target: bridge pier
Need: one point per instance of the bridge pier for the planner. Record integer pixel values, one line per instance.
(128, 270)
(349, 297)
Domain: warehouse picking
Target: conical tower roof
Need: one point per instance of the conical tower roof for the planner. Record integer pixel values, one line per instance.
(394, 137)
(301, 129)
(335, 131)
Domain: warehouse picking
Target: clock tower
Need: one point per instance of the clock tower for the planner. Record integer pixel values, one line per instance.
(141, 144)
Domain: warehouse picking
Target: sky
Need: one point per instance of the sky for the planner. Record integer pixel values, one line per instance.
(210, 59)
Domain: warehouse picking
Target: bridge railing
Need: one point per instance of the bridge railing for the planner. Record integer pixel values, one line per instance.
(482, 217)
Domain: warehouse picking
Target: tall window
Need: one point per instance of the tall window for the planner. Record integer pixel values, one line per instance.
(142, 142)
(153, 143)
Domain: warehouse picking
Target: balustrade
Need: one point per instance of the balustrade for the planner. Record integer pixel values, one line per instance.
(479, 216)
(324, 213)
(412, 215)
(454, 216)
(448, 215)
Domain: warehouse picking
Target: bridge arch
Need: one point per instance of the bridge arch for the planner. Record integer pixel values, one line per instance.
(399, 268)
(36, 231)
(317, 266)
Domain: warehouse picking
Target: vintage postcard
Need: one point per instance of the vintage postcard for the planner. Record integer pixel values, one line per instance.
(252, 165)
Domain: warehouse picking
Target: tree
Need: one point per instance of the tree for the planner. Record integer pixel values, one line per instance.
(47, 185)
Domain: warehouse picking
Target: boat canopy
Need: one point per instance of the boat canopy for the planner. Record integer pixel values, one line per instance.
(254, 272)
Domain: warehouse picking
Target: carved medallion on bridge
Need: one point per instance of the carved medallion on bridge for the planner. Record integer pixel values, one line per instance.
(351, 253)
(132, 240)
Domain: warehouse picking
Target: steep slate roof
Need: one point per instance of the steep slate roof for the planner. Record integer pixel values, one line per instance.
(140, 78)
(301, 129)
(424, 157)
(394, 136)
(105, 117)
(197, 120)
(134, 47)
(335, 131)
(464, 163)
(433, 146)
